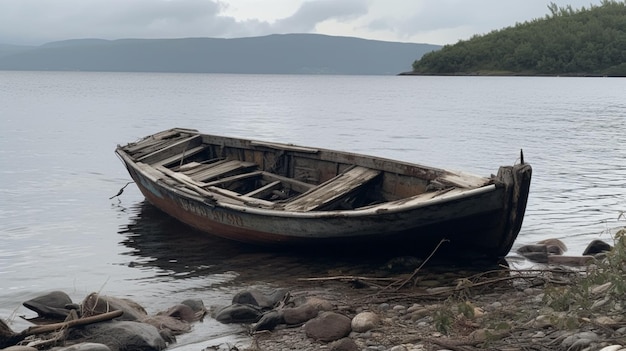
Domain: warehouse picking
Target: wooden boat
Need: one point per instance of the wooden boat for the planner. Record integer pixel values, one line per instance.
(286, 195)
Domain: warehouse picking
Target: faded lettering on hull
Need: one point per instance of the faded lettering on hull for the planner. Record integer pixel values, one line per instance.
(211, 213)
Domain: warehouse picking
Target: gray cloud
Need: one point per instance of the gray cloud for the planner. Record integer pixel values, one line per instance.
(466, 18)
(36, 22)
(313, 12)
(438, 22)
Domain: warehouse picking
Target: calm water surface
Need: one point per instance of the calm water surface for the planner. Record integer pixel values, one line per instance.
(58, 131)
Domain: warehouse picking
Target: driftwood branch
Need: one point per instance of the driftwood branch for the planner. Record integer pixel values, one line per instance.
(14, 338)
(423, 263)
(41, 329)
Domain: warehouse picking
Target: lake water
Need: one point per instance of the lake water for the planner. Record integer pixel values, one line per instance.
(59, 229)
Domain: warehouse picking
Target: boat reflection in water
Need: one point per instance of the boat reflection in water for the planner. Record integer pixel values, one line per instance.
(162, 242)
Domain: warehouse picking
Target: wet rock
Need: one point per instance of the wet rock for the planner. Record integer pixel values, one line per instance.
(168, 326)
(596, 247)
(269, 321)
(239, 313)
(328, 326)
(121, 335)
(197, 306)
(85, 346)
(365, 321)
(95, 304)
(53, 305)
(536, 253)
(318, 303)
(554, 246)
(300, 314)
(19, 348)
(181, 312)
(292, 315)
(258, 298)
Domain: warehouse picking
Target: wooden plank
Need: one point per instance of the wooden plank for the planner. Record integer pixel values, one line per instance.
(175, 146)
(286, 147)
(178, 157)
(222, 169)
(202, 167)
(264, 189)
(250, 201)
(463, 180)
(332, 190)
(234, 178)
(296, 185)
(188, 182)
(147, 144)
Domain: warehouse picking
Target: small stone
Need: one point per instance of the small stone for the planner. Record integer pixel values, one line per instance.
(300, 314)
(399, 308)
(399, 348)
(365, 321)
(542, 321)
(344, 344)
(601, 289)
(569, 341)
(85, 346)
(419, 314)
(478, 312)
(579, 345)
(414, 308)
(605, 320)
(611, 348)
(600, 303)
(496, 305)
(328, 326)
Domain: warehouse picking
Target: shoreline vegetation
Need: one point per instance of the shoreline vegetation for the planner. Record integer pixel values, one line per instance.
(552, 307)
(587, 42)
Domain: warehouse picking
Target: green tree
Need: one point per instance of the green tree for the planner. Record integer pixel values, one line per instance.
(568, 41)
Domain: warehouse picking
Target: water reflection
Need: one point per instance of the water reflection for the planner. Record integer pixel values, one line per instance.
(159, 241)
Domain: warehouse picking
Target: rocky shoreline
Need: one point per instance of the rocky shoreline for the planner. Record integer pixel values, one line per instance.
(495, 311)
(552, 307)
(547, 307)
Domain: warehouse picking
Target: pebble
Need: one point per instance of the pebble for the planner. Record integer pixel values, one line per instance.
(365, 321)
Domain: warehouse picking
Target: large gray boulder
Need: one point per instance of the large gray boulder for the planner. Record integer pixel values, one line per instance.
(121, 336)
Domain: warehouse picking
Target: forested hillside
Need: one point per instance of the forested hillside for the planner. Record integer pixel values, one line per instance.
(585, 41)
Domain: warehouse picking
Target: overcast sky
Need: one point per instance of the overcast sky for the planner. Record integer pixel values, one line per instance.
(35, 22)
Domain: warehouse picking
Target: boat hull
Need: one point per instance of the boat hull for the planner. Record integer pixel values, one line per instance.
(481, 225)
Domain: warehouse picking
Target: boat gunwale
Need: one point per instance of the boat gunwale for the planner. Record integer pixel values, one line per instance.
(372, 210)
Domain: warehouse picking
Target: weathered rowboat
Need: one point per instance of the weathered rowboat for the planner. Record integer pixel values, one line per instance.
(286, 195)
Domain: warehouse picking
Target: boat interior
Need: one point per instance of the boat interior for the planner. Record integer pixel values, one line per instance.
(288, 177)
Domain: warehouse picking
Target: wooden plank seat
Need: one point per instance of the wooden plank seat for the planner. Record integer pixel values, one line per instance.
(172, 160)
(154, 142)
(332, 190)
(172, 147)
(212, 171)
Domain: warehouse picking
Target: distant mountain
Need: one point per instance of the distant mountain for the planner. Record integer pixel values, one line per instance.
(273, 54)
(6, 50)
